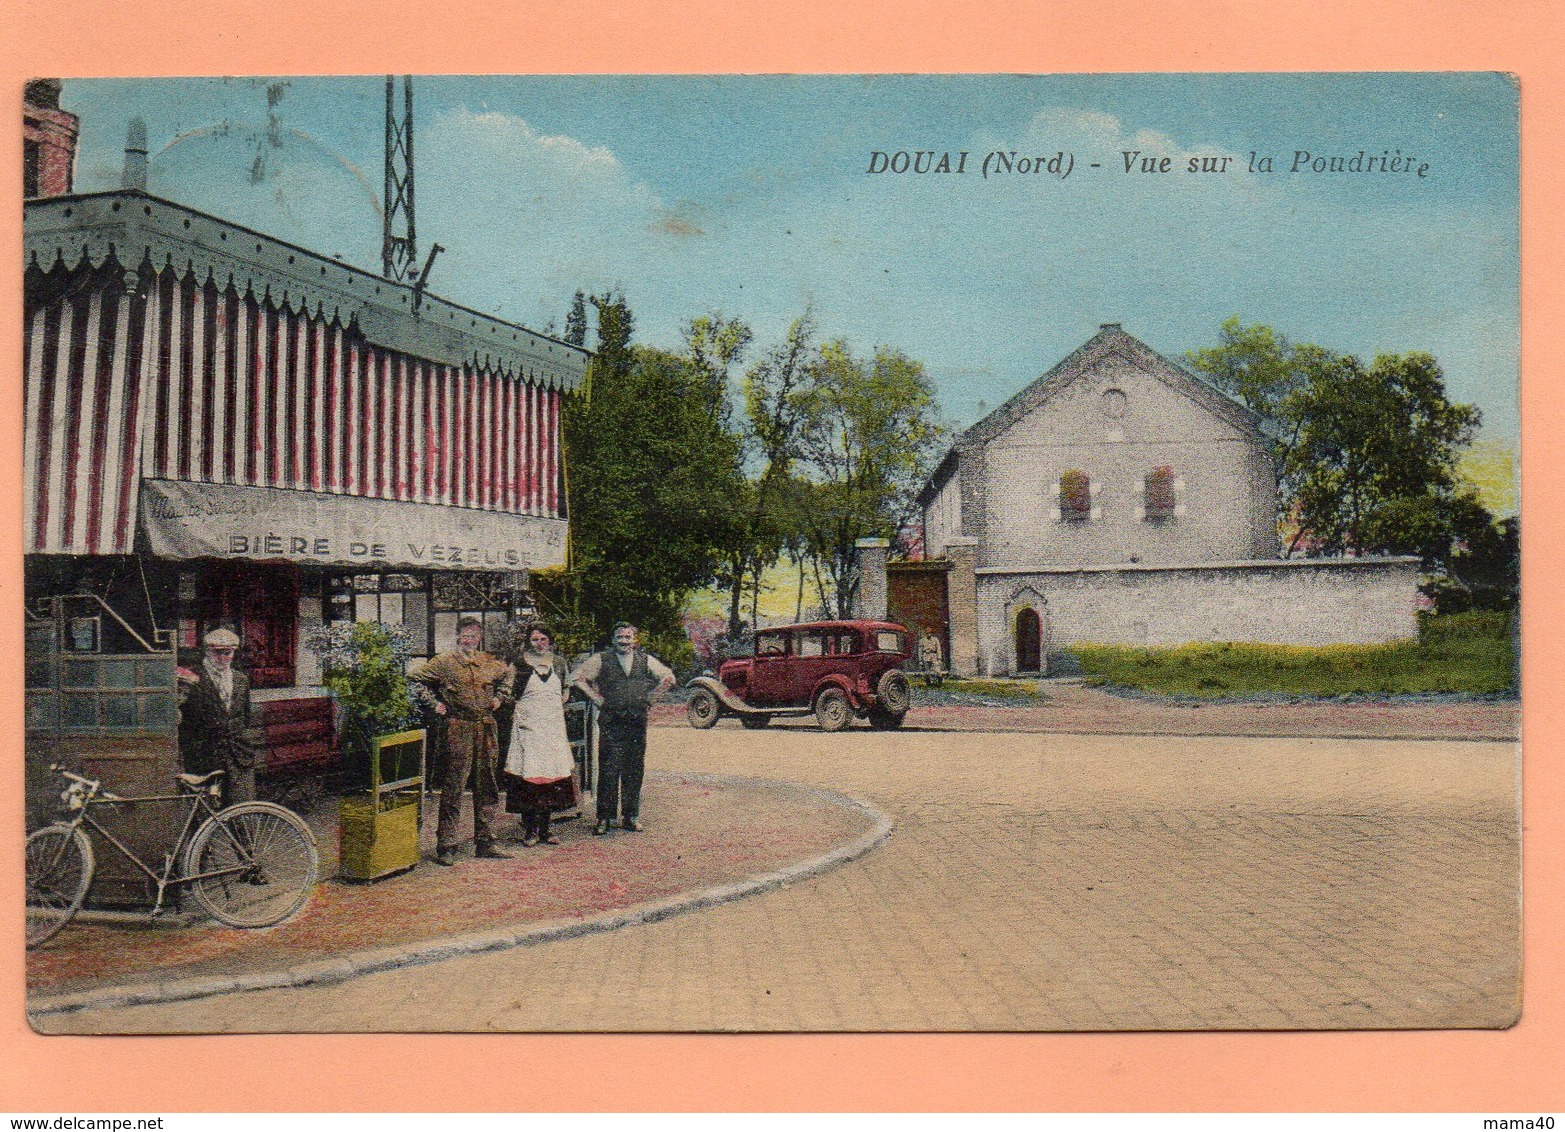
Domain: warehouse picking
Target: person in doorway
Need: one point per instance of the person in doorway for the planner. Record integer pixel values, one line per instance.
(624, 681)
(932, 659)
(214, 719)
(539, 764)
(469, 686)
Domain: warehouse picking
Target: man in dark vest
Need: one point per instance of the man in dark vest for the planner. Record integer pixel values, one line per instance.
(624, 682)
(214, 719)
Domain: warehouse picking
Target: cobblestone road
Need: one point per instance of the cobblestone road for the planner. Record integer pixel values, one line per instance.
(1057, 882)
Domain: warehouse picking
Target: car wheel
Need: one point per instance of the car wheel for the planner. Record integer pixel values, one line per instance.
(755, 722)
(703, 710)
(893, 693)
(882, 720)
(832, 710)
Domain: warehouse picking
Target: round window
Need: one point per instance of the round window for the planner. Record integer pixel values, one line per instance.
(1114, 403)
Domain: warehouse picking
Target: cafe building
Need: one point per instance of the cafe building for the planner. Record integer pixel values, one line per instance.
(222, 428)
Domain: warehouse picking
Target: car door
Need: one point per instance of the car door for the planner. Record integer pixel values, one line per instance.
(812, 660)
(769, 670)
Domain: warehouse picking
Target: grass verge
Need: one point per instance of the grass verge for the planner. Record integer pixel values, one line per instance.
(1466, 653)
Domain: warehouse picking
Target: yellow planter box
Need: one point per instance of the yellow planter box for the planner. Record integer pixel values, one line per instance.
(377, 839)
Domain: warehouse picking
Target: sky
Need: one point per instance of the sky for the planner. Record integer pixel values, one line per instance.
(753, 196)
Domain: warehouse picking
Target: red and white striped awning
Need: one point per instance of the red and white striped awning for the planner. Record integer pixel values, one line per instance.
(164, 374)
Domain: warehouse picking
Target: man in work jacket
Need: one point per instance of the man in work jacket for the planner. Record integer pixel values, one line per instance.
(623, 681)
(470, 686)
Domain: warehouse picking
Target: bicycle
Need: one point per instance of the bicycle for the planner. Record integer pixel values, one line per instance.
(249, 865)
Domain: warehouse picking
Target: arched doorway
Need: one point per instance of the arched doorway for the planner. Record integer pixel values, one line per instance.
(1029, 640)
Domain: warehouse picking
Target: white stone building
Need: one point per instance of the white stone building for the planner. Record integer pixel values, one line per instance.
(1119, 499)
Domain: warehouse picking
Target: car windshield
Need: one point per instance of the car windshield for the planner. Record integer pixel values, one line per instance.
(735, 649)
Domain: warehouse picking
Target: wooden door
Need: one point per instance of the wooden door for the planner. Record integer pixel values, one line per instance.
(1029, 641)
(261, 602)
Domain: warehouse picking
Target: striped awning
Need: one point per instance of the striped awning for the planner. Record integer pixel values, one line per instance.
(166, 373)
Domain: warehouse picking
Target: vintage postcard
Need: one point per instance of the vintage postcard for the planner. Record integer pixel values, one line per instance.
(772, 553)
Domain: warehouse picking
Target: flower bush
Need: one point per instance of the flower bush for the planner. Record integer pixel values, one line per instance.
(365, 665)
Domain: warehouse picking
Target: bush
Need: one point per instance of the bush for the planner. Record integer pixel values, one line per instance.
(1476, 624)
(1467, 653)
(366, 668)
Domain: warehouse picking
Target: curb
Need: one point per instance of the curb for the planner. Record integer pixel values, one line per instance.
(341, 968)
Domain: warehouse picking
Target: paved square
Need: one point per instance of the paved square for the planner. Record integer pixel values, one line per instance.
(1034, 882)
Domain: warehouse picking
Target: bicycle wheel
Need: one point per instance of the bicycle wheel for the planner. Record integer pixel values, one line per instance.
(59, 872)
(252, 865)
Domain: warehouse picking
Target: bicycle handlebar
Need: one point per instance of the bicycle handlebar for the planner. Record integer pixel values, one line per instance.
(95, 788)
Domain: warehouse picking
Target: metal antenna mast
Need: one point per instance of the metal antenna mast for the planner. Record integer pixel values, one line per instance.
(399, 251)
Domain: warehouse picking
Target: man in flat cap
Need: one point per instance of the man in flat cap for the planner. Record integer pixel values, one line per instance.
(470, 686)
(214, 719)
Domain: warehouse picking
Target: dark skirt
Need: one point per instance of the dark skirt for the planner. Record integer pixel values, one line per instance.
(522, 796)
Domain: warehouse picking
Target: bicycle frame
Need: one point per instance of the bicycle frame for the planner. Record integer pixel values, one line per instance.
(198, 806)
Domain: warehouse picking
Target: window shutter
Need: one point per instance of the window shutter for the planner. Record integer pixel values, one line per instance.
(1077, 494)
(1160, 493)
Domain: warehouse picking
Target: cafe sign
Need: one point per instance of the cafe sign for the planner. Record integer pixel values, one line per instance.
(203, 520)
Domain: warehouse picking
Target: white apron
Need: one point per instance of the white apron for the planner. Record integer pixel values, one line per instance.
(539, 748)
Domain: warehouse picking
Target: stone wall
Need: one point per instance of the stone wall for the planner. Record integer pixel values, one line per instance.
(1289, 602)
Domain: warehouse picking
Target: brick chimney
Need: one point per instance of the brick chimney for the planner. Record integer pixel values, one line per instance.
(48, 141)
(136, 156)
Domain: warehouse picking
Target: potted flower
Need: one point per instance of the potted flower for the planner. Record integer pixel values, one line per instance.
(365, 666)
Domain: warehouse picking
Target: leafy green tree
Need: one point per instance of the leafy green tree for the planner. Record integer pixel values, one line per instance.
(769, 438)
(653, 476)
(576, 321)
(1373, 459)
(869, 434)
(1367, 457)
(714, 344)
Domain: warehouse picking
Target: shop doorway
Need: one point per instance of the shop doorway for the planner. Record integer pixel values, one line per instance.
(259, 601)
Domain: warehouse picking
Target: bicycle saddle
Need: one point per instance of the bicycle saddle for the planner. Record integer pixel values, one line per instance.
(197, 781)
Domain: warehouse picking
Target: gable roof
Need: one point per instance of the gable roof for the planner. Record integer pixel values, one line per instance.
(1111, 340)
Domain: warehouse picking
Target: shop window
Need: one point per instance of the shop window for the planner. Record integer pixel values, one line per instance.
(387, 598)
(458, 594)
(1076, 496)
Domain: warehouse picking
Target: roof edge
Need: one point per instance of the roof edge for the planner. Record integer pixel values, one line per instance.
(134, 228)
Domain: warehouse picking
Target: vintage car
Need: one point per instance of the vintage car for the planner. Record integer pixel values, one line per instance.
(835, 669)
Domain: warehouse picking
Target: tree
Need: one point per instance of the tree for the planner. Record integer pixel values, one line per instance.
(654, 473)
(868, 436)
(1264, 371)
(576, 321)
(1367, 457)
(769, 439)
(1256, 366)
(1373, 460)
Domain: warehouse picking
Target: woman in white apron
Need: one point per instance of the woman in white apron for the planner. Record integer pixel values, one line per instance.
(538, 765)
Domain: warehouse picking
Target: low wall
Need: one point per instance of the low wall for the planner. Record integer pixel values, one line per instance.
(1286, 602)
